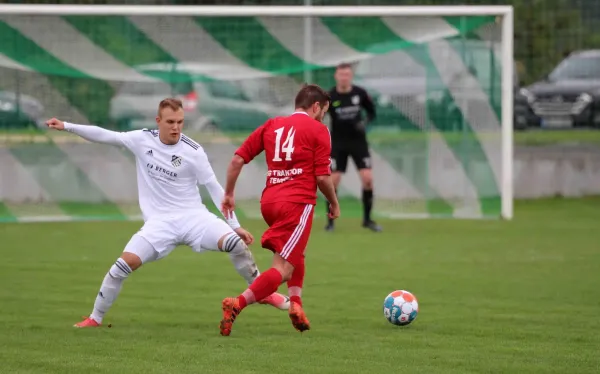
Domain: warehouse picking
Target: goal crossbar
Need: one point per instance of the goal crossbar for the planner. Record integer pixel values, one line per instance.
(271, 11)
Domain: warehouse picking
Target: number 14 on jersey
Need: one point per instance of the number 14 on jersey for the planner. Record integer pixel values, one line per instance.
(288, 145)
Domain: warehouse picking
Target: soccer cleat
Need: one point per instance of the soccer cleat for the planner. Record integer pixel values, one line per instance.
(231, 309)
(371, 225)
(329, 227)
(298, 317)
(277, 300)
(87, 322)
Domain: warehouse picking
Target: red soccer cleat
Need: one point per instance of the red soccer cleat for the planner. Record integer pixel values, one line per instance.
(298, 317)
(87, 322)
(277, 300)
(231, 309)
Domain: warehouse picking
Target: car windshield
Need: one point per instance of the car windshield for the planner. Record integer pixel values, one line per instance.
(577, 67)
(274, 91)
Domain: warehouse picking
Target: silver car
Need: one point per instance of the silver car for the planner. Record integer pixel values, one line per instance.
(228, 105)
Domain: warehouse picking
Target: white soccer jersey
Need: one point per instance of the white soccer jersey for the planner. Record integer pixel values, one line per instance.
(167, 175)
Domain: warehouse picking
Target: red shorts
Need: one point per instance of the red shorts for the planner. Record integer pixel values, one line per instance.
(289, 229)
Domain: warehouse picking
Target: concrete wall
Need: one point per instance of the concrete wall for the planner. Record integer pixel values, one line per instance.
(547, 171)
(92, 173)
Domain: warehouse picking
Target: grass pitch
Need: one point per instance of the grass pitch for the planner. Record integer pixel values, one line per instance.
(495, 297)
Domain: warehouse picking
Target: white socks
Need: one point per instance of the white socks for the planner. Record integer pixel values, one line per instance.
(238, 252)
(110, 288)
(245, 266)
(241, 257)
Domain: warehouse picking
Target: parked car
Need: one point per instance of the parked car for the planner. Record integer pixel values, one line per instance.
(225, 104)
(569, 96)
(18, 111)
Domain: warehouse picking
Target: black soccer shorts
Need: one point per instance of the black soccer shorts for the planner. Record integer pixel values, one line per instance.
(358, 150)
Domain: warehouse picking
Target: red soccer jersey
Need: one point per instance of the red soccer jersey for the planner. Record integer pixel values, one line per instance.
(297, 149)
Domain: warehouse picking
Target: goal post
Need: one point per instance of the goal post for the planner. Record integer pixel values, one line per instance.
(441, 78)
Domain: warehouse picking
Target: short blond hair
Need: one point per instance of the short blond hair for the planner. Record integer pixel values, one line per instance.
(170, 102)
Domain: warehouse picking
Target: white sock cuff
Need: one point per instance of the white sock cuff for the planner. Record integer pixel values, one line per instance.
(120, 269)
(233, 243)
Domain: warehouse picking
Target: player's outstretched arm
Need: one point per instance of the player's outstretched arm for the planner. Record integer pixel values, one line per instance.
(326, 186)
(323, 170)
(217, 193)
(233, 172)
(251, 148)
(206, 177)
(91, 133)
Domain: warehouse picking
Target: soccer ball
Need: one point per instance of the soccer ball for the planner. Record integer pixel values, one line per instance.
(400, 308)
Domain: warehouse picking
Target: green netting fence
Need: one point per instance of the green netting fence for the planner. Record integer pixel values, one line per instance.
(435, 81)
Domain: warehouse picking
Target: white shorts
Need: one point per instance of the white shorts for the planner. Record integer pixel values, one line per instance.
(200, 231)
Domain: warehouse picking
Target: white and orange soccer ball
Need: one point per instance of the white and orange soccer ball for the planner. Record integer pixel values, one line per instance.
(400, 308)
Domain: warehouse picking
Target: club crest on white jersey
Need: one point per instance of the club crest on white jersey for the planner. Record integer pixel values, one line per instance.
(176, 160)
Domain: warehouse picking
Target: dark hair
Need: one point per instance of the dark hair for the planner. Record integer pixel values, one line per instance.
(174, 104)
(310, 94)
(343, 65)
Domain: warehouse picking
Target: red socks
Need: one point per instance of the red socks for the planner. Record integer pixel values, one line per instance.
(263, 286)
(269, 281)
(295, 284)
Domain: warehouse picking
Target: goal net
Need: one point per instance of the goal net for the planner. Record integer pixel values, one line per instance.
(441, 79)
